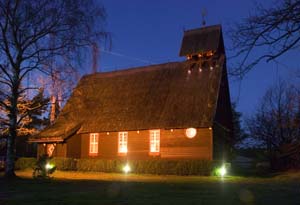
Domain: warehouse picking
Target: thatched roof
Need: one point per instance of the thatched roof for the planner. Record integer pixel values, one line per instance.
(201, 40)
(161, 96)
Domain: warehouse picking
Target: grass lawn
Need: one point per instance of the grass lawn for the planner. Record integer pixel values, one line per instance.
(100, 188)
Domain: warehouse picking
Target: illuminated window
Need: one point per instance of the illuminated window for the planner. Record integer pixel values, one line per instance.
(94, 138)
(154, 141)
(122, 145)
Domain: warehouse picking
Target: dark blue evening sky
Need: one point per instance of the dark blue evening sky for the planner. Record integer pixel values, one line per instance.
(149, 32)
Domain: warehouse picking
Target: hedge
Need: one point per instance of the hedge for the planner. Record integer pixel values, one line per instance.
(154, 166)
(99, 165)
(25, 163)
(65, 164)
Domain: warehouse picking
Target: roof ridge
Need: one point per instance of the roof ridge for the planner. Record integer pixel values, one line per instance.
(133, 70)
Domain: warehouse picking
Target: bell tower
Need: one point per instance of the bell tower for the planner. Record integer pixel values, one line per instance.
(205, 53)
(203, 42)
(202, 47)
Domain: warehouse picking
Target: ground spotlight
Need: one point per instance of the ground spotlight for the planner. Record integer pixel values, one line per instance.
(126, 168)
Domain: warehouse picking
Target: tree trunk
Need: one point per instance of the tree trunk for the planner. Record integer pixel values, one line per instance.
(10, 157)
(10, 153)
(13, 114)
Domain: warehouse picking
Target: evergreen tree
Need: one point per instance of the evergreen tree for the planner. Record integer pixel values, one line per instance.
(37, 113)
(238, 132)
(30, 119)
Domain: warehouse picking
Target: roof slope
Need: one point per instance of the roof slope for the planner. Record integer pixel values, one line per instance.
(152, 97)
(201, 40)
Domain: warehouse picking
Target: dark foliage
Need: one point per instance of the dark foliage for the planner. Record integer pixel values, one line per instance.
(30, 120)
(239, 133)
(38, 120)
(276, 121)
(25, 163)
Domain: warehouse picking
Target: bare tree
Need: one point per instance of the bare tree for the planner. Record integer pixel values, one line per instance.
(266, 35)
(277, 119)
(58, 87)
(26, 28)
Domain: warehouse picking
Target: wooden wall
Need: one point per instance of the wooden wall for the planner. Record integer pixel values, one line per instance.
(107, 146)
(138, 144)
(223, 123)
(173, 145)
(74, 146)
(60, 150)
(223, 112)
(176, 145)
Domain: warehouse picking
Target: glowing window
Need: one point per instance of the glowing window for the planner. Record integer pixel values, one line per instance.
(94, 138)
(122, 145)
(154, 141)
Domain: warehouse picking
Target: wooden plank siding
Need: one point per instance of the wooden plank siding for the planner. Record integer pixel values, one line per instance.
(74, 147)
(176, 145)
(173, 145)
(60, 150)
(138, 144)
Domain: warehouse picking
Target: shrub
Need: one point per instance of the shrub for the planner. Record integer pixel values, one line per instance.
(150, 166)
(65, 164)
(99, 165)
(177, 167)
(155, 166)
(25, 163)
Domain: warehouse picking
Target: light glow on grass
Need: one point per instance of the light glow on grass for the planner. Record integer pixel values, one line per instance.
(221, 171)
(126, 168)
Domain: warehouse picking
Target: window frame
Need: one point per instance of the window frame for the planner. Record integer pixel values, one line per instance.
(122, 143)
(94, 144)
(154, 142)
